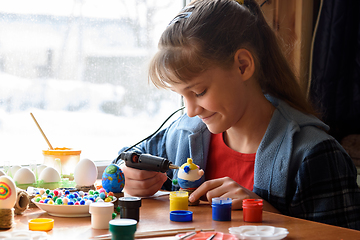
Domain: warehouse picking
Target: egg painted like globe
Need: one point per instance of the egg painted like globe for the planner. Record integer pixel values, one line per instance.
(113, 179)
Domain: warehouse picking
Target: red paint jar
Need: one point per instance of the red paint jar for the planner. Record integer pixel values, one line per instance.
(252, 210)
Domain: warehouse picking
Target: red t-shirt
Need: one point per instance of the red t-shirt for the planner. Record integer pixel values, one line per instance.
(223, 161)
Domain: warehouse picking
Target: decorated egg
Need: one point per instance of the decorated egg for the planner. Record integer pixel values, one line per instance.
(85, 172)
(24, 176)
(2, 173)
(50, 175)
(189, 175)
(13, 170)
(113, 179)
(8, 193)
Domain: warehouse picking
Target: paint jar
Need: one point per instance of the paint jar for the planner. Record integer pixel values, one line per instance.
(179, 200)
(252, 210)
(130, 207)
(64, 160)
(101, 214)
(221, 209)
(122, 229)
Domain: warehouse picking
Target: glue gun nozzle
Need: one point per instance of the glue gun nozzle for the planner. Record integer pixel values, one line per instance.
(172, 166)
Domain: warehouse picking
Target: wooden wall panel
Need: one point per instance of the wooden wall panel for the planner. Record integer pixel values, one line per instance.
(292, 21)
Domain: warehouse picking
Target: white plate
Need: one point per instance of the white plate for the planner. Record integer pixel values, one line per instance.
(65, 210)
(259, 232)
(26, 234)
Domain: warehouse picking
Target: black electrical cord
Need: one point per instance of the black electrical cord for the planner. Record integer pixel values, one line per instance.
(152, 133)
(263, 3)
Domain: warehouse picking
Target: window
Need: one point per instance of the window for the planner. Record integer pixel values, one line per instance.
(80, 66)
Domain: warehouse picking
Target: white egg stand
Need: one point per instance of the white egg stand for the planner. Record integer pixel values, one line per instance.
(8, 198)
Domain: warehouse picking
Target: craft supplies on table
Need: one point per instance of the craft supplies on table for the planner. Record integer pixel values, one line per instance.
(41, 224)
(25, 234)
(201, 235)
(122, 229)
(181, 216)
(158, 233)
(259, 232)
(101, 214)
(70, 204)
(179, 200)
(221, 209)
(252, 210)
(130, 207)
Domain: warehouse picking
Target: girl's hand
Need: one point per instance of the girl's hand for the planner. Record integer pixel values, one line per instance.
(228, 188)
(142, 183)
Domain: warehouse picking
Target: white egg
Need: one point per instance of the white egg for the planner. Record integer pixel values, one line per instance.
(8, 193)
(24, 176)
(85, 173)
(49, 175)
(2, 173)
(14, 169)
(40, 168)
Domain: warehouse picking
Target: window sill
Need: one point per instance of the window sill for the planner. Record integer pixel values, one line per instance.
(101, 165)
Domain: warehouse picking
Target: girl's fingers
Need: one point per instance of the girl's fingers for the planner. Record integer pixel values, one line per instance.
(204, 188)
(133, 173)
(222, 187)
(141, 182)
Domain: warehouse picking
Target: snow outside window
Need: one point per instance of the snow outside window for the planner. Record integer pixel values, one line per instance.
(80, 66)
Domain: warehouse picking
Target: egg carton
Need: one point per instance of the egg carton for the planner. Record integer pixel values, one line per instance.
(64, 183)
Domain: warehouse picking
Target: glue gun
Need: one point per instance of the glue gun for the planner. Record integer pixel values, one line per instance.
(146, 162)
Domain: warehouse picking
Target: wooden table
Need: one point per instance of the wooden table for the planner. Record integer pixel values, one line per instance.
(154, 215)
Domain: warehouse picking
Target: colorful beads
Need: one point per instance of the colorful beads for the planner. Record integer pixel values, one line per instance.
(59, 201)
(102, 195)
(60, 197)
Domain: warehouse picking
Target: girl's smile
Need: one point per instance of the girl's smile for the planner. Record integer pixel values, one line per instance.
(207, 119)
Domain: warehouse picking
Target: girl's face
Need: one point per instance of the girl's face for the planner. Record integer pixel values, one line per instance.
(218, 96)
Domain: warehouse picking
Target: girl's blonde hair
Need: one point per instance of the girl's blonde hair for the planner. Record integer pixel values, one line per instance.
(208, 33)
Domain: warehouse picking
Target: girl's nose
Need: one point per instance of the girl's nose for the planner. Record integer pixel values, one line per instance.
(193, 109)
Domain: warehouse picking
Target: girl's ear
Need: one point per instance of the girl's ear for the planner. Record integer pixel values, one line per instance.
(245, 62)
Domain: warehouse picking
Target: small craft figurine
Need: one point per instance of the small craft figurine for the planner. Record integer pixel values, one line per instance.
(190, 177)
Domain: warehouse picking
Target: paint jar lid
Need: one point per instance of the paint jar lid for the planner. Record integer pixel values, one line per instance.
(122, 226)
(181, 216)
(41, 224)
(130, 202)
(220, 201)
(178, 194)
(252, 203)
(101, 207)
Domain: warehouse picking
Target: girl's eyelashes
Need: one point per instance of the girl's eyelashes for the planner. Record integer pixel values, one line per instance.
(200, 94)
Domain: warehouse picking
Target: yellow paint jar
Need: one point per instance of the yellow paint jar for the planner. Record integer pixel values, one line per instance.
(179, 200)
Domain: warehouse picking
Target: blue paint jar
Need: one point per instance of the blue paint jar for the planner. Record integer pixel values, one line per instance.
(221, 209)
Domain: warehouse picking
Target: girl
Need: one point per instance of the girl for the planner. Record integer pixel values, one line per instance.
(247, 124)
